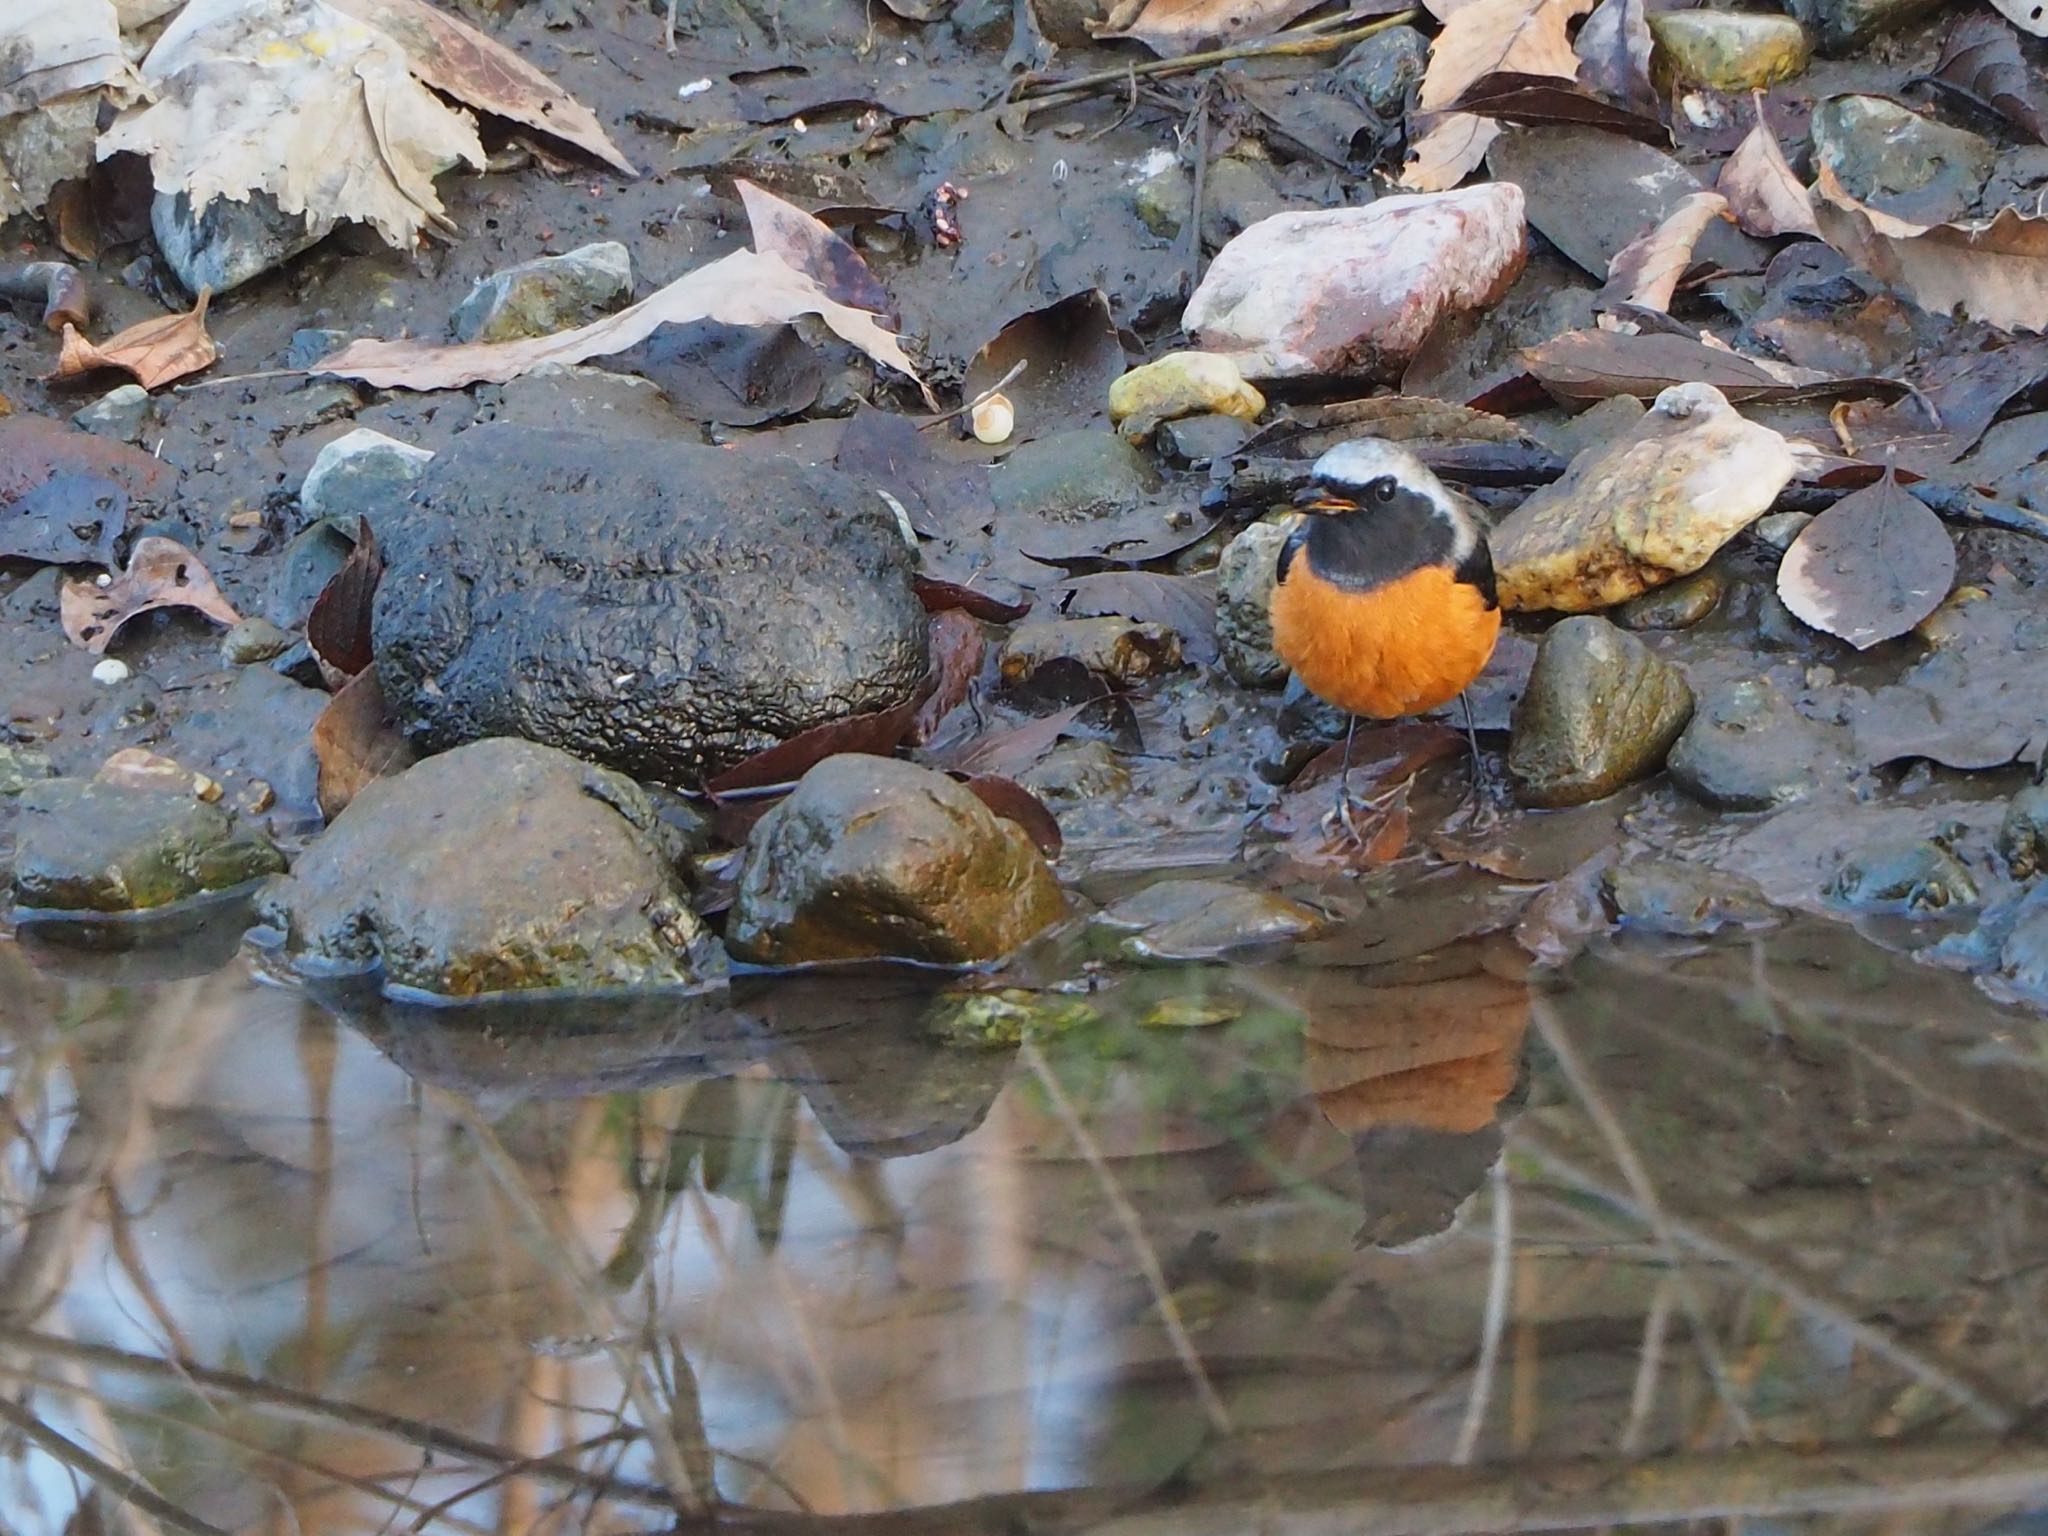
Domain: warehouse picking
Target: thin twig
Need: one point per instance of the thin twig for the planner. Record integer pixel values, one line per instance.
(109, 1479)
(969, 408)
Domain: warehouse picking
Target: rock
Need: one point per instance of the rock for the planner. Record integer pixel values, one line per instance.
(1077, 771)
(121, 413)
(310, 343)
(1180, 384)
(92, 847)
(585, 399)
(21, 767)
(1780, 530)
(1353, 292)
(2023, 956)
(870, 857)
(308, 563)
(140, 768)
(1915, 875)
(1194, 442)
(1045, 658)
(361, 473)
(554, 293)
(2022, 835)
(501, 866)
(1641, 510)
(1164, 200)
(667, 611)
(1382, 73)
(1594, 427)
(230, 240)
(1897, 161)
(1005, 1019)
(1069, 482)
(1843, 26)
(1686, 900)
(1179, 920)
(253, 641)
(1601, 711)
(1733, 51)
(1238, 192)
(1748, 749)
(1679, 606)
(1245, 578)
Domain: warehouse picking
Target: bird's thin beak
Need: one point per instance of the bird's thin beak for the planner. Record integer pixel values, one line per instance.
(1316, 498)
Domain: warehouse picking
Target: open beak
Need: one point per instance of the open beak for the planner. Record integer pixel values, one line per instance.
(1316, 498)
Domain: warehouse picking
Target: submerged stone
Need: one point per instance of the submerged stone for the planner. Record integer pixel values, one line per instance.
(1686, 900)
(1889, 156)
(1732, 51)
(101, 847)
(1177, 920)
(1920, 875)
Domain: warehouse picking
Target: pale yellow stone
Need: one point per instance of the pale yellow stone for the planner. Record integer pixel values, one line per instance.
(1181, 384)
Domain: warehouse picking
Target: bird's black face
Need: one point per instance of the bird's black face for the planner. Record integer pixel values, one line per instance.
(1382, 493)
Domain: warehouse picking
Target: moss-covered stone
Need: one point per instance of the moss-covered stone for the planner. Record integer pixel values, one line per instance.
(96, 847)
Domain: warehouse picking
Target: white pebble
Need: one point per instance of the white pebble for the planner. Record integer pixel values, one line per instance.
(111, 670)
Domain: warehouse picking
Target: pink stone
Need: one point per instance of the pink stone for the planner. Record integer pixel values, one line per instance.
(1353, 292)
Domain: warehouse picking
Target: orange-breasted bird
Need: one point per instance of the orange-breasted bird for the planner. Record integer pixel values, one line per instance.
(1385, 604)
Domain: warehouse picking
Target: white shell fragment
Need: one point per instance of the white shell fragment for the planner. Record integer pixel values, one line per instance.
(994, 419)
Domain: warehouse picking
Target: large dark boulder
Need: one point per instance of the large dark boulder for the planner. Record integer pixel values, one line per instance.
(663, 608)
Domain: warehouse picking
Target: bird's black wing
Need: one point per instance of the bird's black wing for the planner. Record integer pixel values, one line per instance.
(1299, 538)
(1475, 570)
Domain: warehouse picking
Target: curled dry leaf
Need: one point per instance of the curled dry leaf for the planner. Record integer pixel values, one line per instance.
(1171, 28)
(1981, 62)
(452, 56)
(745, 288)
(1995, 272)
(1645, 272)
(1479, 38)
(816, 250)
(1763, 194)
(355, 740)
(155, 353)
(958, 646)
(1542, 101)
(338, 628)
(161, 573)
(1870, 567)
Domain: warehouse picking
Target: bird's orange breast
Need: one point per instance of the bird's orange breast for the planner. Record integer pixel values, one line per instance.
(1398, 649)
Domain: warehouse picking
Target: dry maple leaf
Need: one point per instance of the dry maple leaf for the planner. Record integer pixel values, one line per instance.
(745, 288)
(162, 573)
(298, 99)
(1763, 194)
(1645, 272)
(1480, 38)
(154, 352)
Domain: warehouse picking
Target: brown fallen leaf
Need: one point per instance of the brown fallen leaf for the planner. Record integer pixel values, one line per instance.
(338, 628)
(156, 352)
(161, 573)
(1479, 38)
(813, 248)
(1614, 48)
(1870, 567)
(745, 288)
(877, 734)
(958, 646)
(1763, 194)
(1645, 272)
(452, 56)
(1171, 28)
(1542, 101)
(1995, 271)
(355, 740)
(1981, 62)
(1013, 802)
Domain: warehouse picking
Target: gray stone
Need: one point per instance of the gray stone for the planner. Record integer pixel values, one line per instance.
(299, 576)
(1889, 156)
(1912, 875)
(84, 846)
(1381, 73)
(1193, 441)
(1245, 578)
(120, 413)
(1163, 201)
(1748, 749)
(873, 857)
(1669, 896)
(1843, 26)
(230, 241)
(1237, 193)
(253, 641)
(1069, 485)
(21, 767)
(1602, 710)
(666, 611)
(308, 345)
(361, 473)
(541, 297)
(1780, 530)
(555, 398)
(501, 866)
(1679, 606)
(2023, 834)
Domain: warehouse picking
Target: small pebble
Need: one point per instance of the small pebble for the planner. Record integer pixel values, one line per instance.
(111, 670)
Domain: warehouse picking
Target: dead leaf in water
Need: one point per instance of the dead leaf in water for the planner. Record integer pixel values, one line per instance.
(161, 573)
(1013, 802)
(875, 734)
(1870, 567)
(1763, 194)
(1479, 38)
(355, 741)
(1645, 272)
(958, 647)
(745, 288)
(155, 352)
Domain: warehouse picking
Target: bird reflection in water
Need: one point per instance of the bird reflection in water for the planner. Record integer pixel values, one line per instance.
(1420, 1063)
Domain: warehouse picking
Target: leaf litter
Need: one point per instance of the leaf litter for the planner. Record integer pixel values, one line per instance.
(161, 573)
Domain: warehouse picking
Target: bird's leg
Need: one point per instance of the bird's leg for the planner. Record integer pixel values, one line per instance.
(1344, 781)
(1481, 793)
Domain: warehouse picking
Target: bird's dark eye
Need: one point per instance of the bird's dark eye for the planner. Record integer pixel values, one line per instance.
(1383, 488)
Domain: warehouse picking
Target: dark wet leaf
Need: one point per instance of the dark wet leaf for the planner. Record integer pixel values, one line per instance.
(1614, 46)
(72, 518)
(338, 628)
(737, 375)
(161, 573)
(1071, 355)
(1870, 567)
(356, 740)
(1184, 604)
(938, 596)
(778, 92)
(877, 733)
(957, 649)
(1308, 116)
(33, 448)
(1537, 101)
(1975, 375)
(807, 244)
(1008, 753)
(1982, 63)
(1594, 365)
(887, 452)
(1013, 802)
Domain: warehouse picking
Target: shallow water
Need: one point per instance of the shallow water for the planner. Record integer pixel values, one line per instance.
(1339, 1243)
